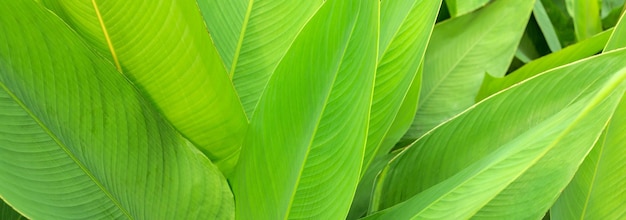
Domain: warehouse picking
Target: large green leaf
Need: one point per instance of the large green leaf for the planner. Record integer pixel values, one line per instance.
(495, 170)
(404, 32)
(164, 48)
(78, 141)
(598, 191)
(461, 7)
(456, 62)
(580, 50)
(586, 16)
(253, 36)
(305, 144)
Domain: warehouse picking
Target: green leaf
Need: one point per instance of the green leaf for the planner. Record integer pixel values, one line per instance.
(455, 62)
(575, 52)
(586, 16)
(8, 213)
(164, 48)
(562, 22)
(305, 145)
(363, 196)
(546, 26)
(405, 29)
(598, 191)
(252, 36)
(495, 170)
(461, 7)
(78, 141)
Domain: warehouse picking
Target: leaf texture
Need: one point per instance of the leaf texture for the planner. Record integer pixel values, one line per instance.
(78, 141)
(302, 156)
(164, 48)
(499, 170)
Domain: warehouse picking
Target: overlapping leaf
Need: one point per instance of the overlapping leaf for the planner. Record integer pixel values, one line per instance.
(455, 62)
(586, 17)
(461, 7)
(405, 29)
(164, 48)
(494, 170)
(304, 149)
(253, 36)
(598, 191)
(78, 141)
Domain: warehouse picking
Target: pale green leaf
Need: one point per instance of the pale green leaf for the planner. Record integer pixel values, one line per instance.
(546, 26)
(253, 36)
(406, 26)
(461, 7)
(598, 191)
(455, 62)
(164, 48)
(493, 170)
(79, 141)
(586, 16)
(572, 53)
(304, 149)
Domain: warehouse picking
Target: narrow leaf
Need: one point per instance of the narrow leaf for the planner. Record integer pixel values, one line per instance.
(578, 51)
(405, 29)
(164, 48)
(586, 16)
(304, 149)
(78, 141)
(546, 26)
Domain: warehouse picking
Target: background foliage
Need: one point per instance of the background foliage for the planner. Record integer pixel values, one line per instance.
(336, 109)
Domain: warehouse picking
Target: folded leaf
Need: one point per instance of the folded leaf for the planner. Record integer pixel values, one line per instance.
(78, 141)
(578, 51)
(164, 48)
(305, 144)
(455, 62)
(405, 29)
(494, 170)
(253, 36)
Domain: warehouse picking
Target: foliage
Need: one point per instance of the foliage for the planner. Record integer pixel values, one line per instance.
(335, 109)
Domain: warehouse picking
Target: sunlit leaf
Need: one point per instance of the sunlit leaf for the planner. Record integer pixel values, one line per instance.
(79, 141)
(304, 149)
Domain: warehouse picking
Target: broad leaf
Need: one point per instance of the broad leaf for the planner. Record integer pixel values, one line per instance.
(598, 191)
(78, 141)
(405, 29)
(461, 7)
(304, 149)
(164, 48)
(495, 170)
(586, 16)
(575, 52)
(253, 36)
(455, 63)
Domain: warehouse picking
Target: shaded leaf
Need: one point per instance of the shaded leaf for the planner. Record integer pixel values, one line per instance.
(461, 7)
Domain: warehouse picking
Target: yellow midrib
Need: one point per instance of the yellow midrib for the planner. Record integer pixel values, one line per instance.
(106, 36)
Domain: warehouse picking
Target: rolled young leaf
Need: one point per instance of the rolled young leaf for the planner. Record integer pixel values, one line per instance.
(495, 170)
(252, 37)
(78, 141)
(304, 149)
(164, 48)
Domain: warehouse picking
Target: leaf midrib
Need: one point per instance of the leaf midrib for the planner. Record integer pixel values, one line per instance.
(321, 114)
(106, 36)
(66, 150)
